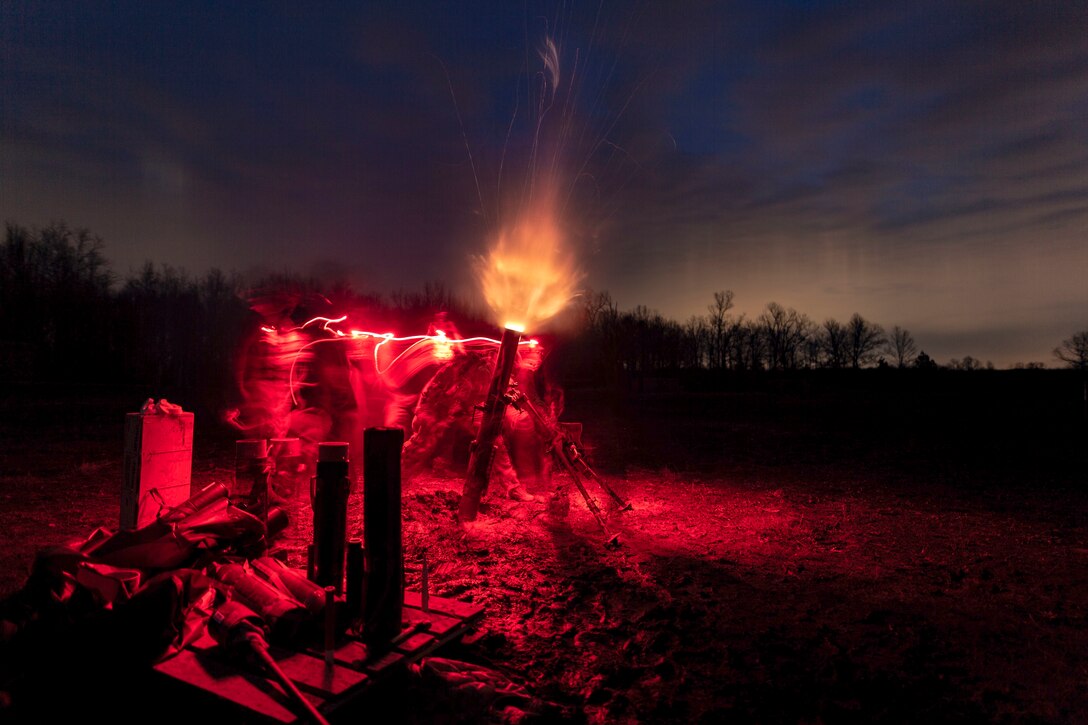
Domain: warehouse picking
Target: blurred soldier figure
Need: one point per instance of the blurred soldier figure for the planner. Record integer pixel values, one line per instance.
(405, 380)
(446, 423)
(264, 366)
(294, 378)
(529, 452)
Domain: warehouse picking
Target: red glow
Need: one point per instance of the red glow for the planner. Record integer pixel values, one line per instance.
(421, 351)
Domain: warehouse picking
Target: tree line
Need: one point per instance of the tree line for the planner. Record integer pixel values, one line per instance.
(614, 344)
(779, 338)
(65, 316)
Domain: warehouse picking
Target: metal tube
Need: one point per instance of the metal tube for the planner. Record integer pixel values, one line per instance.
(483, 448)
(330, 501)
(382, 536)
(425, 584)
(330, 625)
(355, 580)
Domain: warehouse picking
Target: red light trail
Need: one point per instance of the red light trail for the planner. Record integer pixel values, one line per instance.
(440, 346)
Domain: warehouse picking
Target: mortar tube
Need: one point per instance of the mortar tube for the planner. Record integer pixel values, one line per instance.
(382, 540)
(483, 448)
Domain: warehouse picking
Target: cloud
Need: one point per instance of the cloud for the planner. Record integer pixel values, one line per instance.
(909, 156)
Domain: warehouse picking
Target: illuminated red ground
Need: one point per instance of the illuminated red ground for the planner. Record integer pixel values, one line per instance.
(786, 560)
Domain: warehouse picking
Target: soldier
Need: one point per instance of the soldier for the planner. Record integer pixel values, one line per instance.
(294, 378)
(529, 452)
(264, 366)
(445, 424)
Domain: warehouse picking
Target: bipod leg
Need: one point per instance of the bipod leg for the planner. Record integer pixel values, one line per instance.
(613, 539)
(624, 505)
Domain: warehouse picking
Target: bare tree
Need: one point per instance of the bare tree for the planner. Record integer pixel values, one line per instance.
(784, 331)
(752, 345)
(696, 343)
(602, 338)
(1074, 351)
(600, 309)
(834, 339)
(900, 345)
(864, 340)
(812, 348)
(718, 322)
(737, 343)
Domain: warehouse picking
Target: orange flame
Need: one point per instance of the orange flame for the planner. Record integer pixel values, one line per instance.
(528, 276)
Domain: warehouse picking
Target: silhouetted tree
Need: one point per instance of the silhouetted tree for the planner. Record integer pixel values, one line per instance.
(736, 348)
(967, 363)
(55, 296)
(784, 332)
(599, 308)
(864, 339)
(925, 362)
(603, 336)
(834, 338)
(1074, 351)
(696, 343)
(752, 346)
(900, 345)
(812, 348)
(718, 322)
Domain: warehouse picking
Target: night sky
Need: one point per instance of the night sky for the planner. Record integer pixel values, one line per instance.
(922, 163)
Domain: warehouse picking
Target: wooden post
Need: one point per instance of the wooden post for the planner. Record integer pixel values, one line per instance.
(382, 536)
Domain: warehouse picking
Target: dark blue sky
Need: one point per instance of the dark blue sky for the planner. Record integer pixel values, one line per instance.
(924, 163)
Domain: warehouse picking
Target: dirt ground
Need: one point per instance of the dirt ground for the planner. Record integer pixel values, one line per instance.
(786, 559)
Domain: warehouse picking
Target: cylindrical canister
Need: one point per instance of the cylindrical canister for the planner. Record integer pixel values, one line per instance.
(205, 497)
(290, 491)
(356, 580)
(276, 521)
(286, 455)
(283, 614)
(382, 536)
(251, 472)
(293, 580)
(330, 489)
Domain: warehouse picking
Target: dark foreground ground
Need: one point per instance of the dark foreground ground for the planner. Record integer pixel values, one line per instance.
(874, 548)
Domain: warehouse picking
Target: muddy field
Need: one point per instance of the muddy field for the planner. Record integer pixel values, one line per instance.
(807, 551)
